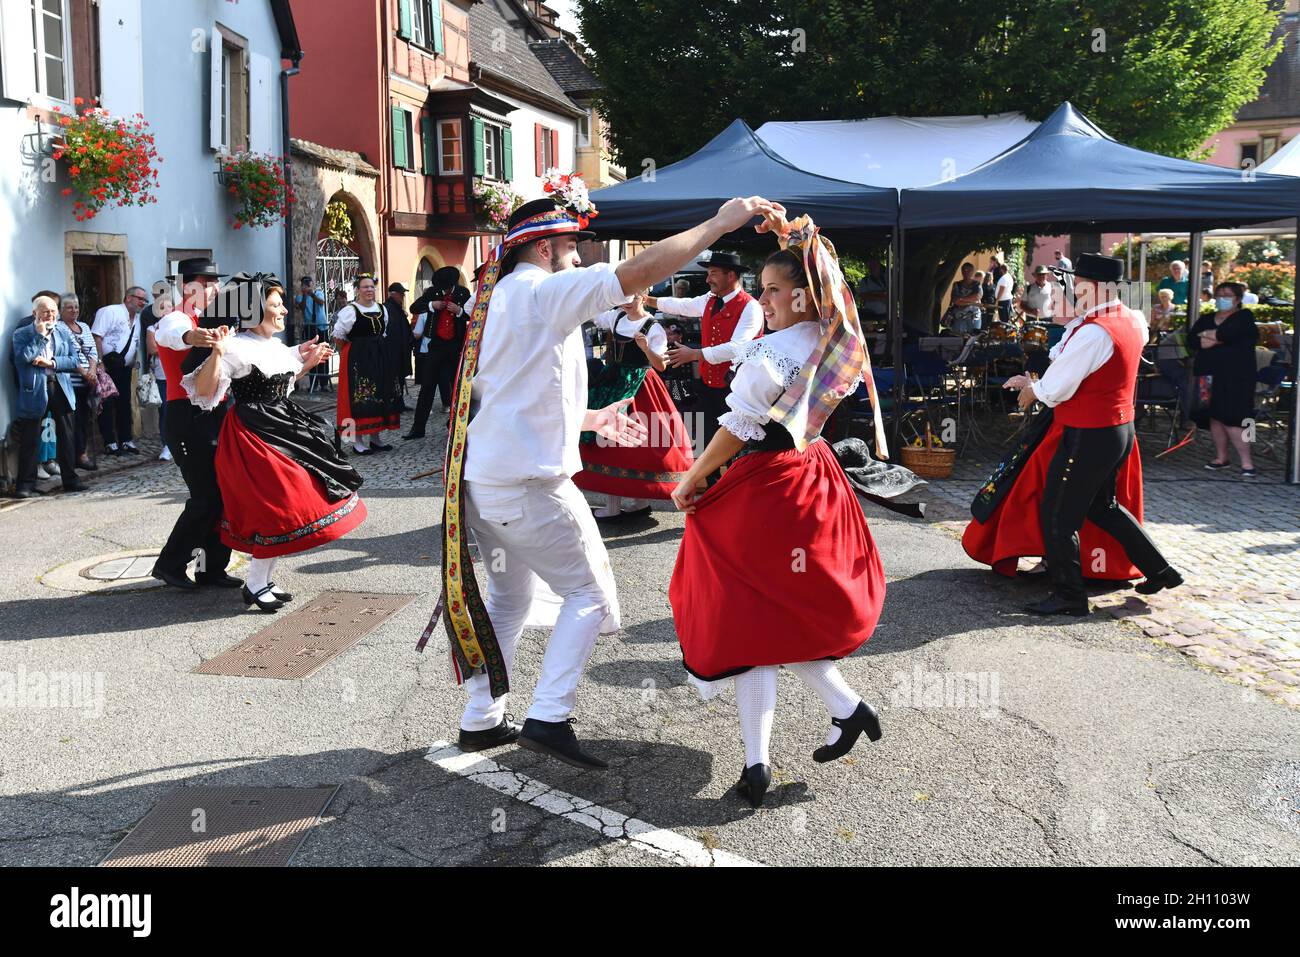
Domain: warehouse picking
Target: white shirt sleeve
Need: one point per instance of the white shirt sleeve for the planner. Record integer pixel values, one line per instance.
(103, 325)
(673, 306)
(749, 325)
(344, 320)
(759, 382)
(417, 330)
(171, 329)
(606, 319)
(567, 299)
(1090, 346)
(234, 365)
(657, 339)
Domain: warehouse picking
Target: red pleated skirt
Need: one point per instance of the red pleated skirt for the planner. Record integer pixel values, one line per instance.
(271, 504)
(1014, 531)
(652, 470)
(776, 566)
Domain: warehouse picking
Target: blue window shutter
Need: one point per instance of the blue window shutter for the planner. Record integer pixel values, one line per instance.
(435, 26)
(404, 19)
(477, 132)
(507, 155)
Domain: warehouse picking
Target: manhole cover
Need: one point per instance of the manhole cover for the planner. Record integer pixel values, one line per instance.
(117, 569)
(299, 643)
(115, 572)
(222, 827)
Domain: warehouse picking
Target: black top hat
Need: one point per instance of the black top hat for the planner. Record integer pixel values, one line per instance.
(536, 207)
(1095, 266)
(197, 266)
(723, 261)
(445, 278)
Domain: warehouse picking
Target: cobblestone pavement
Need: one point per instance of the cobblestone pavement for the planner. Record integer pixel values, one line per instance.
(1237, 543)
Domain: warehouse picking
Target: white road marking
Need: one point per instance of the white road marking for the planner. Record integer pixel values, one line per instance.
(619, 827)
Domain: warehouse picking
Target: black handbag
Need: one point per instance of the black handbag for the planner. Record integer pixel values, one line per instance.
(1004, 475)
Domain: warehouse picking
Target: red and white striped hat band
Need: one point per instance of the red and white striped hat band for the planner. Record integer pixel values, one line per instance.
(551, 223)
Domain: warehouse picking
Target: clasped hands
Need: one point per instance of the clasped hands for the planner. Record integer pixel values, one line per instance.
(1026, 387)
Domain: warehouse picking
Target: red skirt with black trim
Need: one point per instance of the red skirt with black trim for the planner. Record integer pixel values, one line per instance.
(271, 504)
(652, 470)
(1014, 530)
(776, 566)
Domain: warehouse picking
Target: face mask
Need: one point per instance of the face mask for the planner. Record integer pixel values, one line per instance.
(1224, 303)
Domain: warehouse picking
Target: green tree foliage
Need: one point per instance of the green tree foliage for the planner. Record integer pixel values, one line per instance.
(1161, 75)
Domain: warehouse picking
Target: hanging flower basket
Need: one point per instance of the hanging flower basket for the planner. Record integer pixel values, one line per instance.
(111, 161)
(256, 181)
(493, 204)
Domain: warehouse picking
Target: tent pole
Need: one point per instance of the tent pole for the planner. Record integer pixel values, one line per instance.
(1142, 262)
(896, 337)
(1293, 435)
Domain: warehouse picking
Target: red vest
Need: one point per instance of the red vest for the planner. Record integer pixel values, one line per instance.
(717, 327)
(171, 360)
(1107, 396)
(446, 327)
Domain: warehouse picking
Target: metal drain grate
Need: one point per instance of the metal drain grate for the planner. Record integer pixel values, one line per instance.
(223, 827)
(297, 644)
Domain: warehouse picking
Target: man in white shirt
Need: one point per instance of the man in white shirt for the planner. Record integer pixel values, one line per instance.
(526, 370)
(1091, 386)
(1067, 274)
(1002, 292)
(117, 334)
(1038, 300)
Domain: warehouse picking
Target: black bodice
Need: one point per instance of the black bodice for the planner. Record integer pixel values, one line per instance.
(367, 324)
(623, 350)
(259, 387)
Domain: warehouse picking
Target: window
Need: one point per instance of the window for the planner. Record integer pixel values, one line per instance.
(1267, 146)
(451, 160)
(230, 86)
(49, 23)
(584, 127)
(423, 277)
(1249, 155)
(420, 21)
(546, 148)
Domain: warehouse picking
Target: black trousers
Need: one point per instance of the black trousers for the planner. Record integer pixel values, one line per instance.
(115, 413)
(192, 438)
(710, 404)
(1081, 485)
(83, 420)
(434, 371)
(29, 440)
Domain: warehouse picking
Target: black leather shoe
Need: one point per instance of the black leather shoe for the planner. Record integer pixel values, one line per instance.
(413, 435)
(754, 782)
(643, 510)
(378, 446)
(219, 581)
(264, 600)
(130, 450)
(75, 486)
(864, 719)
(283, 596)
(26, 493)
(175, 579)
(507, 732)
(1034, 574)
(1169, 578)
(1051, 605)
(87, 467)
(556, 738)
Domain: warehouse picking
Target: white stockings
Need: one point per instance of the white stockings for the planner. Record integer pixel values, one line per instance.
(259, 573)
(756, 702)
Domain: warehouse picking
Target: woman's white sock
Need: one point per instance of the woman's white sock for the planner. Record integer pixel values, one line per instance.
(825, 679)
(259, 573)
(756, 702)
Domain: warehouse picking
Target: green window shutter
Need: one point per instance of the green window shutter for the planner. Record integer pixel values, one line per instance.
(404, 19)
(430, 143)
(507, 155)
(435, 26)
(399, 137)
(476, 126)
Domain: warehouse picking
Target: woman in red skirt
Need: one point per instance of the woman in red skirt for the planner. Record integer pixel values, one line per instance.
(284, 486)
(635, 346)
(1006, 527)
(777, 567)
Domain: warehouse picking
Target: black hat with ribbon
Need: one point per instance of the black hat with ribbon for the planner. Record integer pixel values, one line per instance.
(241, 301)
(723, 260)
(1095, 266)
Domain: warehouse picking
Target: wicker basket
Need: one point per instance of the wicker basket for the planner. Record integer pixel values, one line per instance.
(929, 463)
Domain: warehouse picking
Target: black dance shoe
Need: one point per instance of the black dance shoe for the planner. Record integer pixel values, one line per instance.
(219, 580)
(507, 732)
(282, 596)
(175, 579)
(1169, 578)
(634, 513)
(365, 451)
(413, 435)
(1051, 605)
(556, 738)
(754, 782)
(264, 600)
(378, 446)
(863, 719)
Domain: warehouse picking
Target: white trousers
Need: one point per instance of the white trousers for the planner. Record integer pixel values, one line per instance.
(527, 533)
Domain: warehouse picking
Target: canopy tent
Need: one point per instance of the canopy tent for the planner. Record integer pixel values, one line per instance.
(895, 151)
(1069, 176)
(1285, 162)
(737, 162)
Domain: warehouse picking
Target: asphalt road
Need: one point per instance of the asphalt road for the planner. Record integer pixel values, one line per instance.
(1090, 745)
